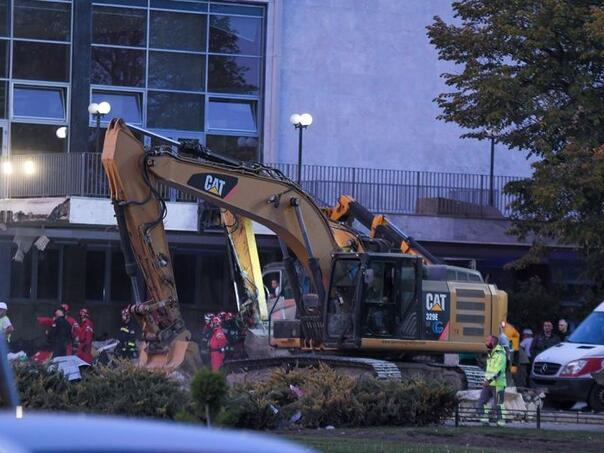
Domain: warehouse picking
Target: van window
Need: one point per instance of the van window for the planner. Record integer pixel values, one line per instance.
(475, 278)
(590, 331)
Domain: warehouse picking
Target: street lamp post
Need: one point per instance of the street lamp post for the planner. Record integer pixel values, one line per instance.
(300, 122)
(491, 176)
(98, 111)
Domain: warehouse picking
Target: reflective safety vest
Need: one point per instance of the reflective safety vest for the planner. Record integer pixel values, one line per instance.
(127, 339)
(496, 367)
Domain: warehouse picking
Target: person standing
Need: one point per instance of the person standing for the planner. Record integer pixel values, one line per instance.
(495, 381)
(544, 340)
(204, 339)
(74, 329)
(6, 327)
(563, 331)
(217, 345)
(524, 358)
(60, 334)
(85, 334)
(127, 336)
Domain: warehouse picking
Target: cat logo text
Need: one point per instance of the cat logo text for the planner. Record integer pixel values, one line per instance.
(221, 186)
(436, 301)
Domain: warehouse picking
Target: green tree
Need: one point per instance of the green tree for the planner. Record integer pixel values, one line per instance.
(531, 303)
(208, 390)
(533, 71)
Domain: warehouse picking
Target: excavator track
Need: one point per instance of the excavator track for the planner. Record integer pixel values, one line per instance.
(467, 376)
(381, 369)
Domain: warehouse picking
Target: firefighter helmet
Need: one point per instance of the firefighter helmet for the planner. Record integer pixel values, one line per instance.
(126, 314)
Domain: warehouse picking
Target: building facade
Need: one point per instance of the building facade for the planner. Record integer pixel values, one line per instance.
(229, 74)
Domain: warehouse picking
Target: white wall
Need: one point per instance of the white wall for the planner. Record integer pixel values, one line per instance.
(367, 73)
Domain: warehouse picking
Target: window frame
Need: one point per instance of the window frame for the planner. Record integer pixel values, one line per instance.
(34, 282)
(106, 119)
(40, 119)
(11, 39)
(213, 9)
(233, 131)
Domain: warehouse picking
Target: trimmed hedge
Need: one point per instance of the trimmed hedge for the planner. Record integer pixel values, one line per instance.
(321, 397)
(307, 398)
(123, 390)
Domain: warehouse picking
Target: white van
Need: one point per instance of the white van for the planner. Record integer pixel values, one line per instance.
(566, 369)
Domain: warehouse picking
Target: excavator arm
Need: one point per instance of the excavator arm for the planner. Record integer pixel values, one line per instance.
(250, 190)
(347, 210)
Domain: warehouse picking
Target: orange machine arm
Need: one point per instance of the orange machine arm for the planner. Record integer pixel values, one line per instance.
(251, 190)
(347, 210)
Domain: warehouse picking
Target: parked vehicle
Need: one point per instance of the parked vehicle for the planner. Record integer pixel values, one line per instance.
(566, 370)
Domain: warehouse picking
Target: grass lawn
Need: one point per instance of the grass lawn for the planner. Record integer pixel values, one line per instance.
(447, 439)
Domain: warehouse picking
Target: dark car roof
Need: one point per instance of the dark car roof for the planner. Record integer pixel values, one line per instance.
(46, 432)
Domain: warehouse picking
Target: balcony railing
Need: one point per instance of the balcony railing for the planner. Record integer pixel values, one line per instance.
(383, 191)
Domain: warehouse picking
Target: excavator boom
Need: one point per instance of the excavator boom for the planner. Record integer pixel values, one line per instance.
(253, 191)
(347, 210)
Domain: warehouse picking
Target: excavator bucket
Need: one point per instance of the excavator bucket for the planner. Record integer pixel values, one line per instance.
(181, 355)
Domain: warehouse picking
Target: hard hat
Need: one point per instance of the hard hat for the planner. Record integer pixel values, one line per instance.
(527, 332)
(3, 306)
(84, 313)
(208, 317)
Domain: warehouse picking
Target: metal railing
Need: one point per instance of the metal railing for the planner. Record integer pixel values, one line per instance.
(465, 415)
(383, 191)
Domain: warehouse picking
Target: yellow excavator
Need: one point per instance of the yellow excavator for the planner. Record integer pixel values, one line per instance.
(365, 308)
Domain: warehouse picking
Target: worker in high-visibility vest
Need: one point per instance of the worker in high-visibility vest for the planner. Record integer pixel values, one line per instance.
(495, 381)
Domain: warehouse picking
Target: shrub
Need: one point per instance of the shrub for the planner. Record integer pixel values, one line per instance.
(123, 390)
(208, 390)
(328, 398)
(40, 388)
(128, 390)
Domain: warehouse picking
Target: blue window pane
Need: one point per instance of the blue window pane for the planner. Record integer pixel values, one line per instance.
(125, 67)
(3, 99)
(4, 28)
(239, 35)
(35, 138)
(191, 31)
(175, 111)
(235, 9)
(39, 102)
(232, 114)
(123, 105)
(243, 148)
(3, 59)
(120, 26)
(178, 71)
(184, 6)
(142, 3)
(42, 20)
(234, 74)
(41, 61)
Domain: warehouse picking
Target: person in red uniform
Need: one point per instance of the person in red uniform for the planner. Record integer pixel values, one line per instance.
(217, 345)
(85, 334)
(74, 328)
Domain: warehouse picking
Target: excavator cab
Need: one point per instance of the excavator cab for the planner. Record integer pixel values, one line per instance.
(372, 295)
